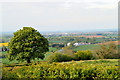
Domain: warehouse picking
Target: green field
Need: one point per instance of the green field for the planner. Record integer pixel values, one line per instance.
(87, 47)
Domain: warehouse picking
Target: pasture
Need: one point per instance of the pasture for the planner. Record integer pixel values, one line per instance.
(87, 47)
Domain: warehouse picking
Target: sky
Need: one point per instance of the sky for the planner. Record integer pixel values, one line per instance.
(58, 15)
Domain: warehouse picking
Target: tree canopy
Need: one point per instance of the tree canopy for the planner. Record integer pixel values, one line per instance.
(27, 44)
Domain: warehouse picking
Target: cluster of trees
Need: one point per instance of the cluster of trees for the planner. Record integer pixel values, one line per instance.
(67, 54)
(73, 39)
(107, 51)
(57, 45)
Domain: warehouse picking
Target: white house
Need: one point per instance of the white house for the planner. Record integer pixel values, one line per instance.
(68, 44)
(76, 44)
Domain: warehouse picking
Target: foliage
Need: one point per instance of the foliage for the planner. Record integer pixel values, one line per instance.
(84, 55)
(109, 51)
(65, 54)
(68, 50)
(59, 57)
(86, 47)
(82, 70)
(5, 60)
(26, 44)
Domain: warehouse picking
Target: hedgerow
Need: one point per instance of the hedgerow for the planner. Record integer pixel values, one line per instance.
(63, 71)
(84, 55)
(59, 57)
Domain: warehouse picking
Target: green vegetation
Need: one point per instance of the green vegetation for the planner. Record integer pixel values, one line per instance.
(79, 55)
(99, 69)
(59, 57)
(27, 44)
(84, 55)
(58, 62)
(7, 61)
(109, 51)
(86, 47)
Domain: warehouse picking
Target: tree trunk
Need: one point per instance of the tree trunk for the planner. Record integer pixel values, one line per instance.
(28, 60)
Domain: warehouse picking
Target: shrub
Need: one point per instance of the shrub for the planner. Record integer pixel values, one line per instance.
(59, 57)
(84, 55)
(109, 51)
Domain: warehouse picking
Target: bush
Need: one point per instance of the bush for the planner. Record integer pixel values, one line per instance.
(84, 55)
(109, 51)
(59, 57)
(79, 55)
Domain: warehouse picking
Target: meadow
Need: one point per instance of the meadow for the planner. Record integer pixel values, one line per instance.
(87, 47)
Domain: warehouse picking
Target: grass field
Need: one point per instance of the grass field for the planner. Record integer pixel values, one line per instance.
(87, 47)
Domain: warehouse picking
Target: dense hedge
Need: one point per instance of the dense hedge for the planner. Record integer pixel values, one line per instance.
(63, 71)
(79, 55)
(84, 55)
(60, 57)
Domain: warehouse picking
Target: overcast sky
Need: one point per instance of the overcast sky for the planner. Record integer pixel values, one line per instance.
(59, 15)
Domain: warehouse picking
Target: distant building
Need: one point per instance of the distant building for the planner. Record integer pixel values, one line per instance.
(68, 44)
(76, 44)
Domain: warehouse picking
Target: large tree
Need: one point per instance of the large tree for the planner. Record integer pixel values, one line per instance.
(27, 44)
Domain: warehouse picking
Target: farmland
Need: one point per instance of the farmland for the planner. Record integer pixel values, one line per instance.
(5, 44)
(87, 47)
